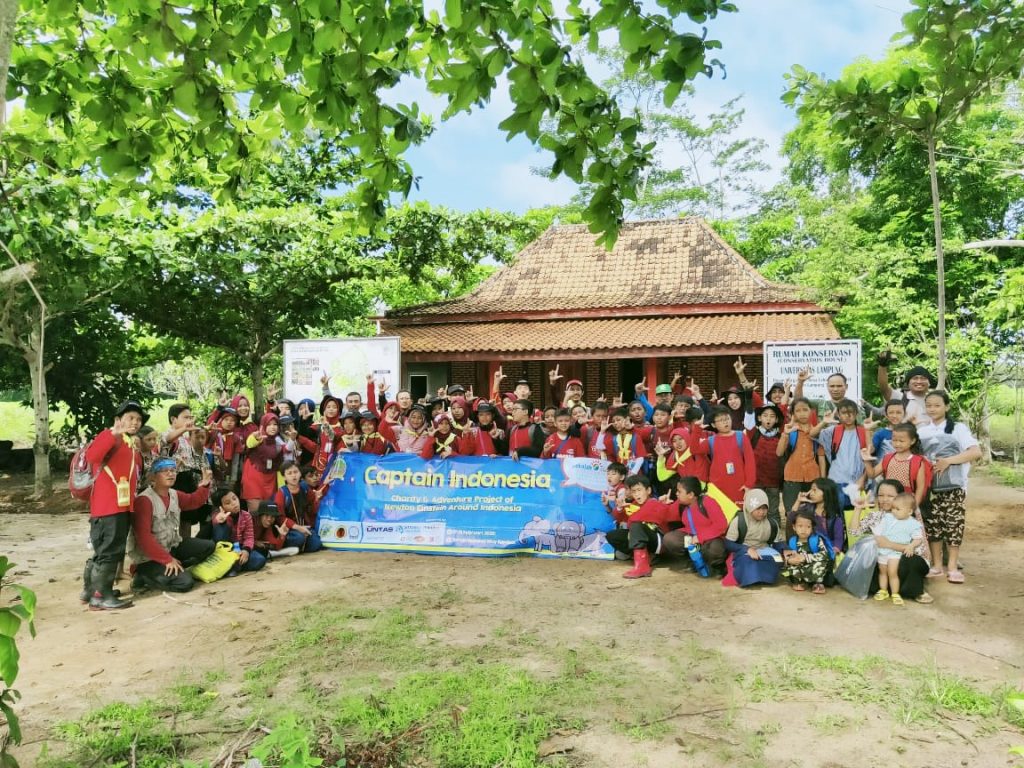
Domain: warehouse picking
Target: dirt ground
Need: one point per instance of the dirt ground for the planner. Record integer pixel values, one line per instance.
(82, 660)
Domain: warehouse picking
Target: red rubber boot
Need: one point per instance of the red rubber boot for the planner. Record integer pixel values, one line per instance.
(641, 565)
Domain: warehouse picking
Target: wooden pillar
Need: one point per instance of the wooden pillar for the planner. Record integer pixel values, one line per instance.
(651, 372)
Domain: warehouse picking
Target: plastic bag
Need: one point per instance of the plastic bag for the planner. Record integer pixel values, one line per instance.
(856, 570)
(217, 564)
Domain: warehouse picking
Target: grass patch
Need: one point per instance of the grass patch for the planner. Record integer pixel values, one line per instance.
(911, 694)
(1007, 474)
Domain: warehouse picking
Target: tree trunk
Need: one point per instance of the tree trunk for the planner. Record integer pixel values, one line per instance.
(259, 398)
(41, 413)
(8, 15)
(940, 261)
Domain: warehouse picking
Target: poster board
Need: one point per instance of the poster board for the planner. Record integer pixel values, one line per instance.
(347, 361)
(783, 360)
(466, 505)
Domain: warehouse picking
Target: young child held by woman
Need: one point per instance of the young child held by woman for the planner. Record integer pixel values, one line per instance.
(900, 528)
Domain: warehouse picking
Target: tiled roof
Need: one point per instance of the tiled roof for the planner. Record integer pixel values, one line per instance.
(654, 263)
(588, 336)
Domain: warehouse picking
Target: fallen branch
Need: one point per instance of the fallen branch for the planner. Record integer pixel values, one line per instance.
(979, 653)
(963, 736)
(185, 602)
(675, 713)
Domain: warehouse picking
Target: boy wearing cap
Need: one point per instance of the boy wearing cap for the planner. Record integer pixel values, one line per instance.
(573, 394)
(110, 505)
(662, 396)
(485, 438)
(918, 382)
(764, 438)
(159, 553)
(525, 438)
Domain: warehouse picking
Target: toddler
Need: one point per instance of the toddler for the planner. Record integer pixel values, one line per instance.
(900, 529)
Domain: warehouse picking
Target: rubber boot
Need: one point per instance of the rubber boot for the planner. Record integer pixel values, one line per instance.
(103, 598)
(641, 565)
(86, 582)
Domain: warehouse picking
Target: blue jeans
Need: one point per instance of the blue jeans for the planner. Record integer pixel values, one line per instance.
(305, 543)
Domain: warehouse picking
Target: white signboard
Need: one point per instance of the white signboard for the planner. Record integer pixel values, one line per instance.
(346, 361)
(783, 360)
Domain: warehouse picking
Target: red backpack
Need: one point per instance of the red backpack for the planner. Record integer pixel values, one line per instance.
(837, 438)
(82, 475)
(916, 461)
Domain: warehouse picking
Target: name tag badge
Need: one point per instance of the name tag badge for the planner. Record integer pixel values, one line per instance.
(730, 468)
(270, 464)
(124, 492)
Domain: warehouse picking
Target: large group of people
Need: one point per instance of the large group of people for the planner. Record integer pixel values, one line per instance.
(747, 486)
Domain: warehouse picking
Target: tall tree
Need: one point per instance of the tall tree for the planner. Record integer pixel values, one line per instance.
(132, 84)
(955, 53)
(698, 166)
(64, 273)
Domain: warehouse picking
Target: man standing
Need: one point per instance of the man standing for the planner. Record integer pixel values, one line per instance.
(158, 551)
(918, 381)
(110, 505)
(837, 387)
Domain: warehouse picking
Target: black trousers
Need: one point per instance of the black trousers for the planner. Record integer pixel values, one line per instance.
(912, 572)
(189, 552)
(109, 536)
(637, 536)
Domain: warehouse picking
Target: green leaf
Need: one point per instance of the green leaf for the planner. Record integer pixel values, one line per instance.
(14, 726)
(453, 12)
(9, 658)
(9, 623)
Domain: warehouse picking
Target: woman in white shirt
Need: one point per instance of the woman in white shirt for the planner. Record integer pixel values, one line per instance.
(951, 448)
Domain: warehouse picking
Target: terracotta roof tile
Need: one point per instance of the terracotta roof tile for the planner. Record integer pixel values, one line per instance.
(654, 263)
(593, 336)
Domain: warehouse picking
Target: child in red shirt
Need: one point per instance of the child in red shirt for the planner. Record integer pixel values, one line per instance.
(444, 442)
(733, 467)
(651, 521)
(560, 443)
(627, 442)
(378, 437)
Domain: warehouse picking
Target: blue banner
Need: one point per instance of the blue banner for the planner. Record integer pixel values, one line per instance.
(466, 505)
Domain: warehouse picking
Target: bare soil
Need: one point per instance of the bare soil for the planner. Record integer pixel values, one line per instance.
(82, 660)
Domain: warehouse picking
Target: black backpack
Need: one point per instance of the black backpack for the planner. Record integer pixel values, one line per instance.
(741, 528)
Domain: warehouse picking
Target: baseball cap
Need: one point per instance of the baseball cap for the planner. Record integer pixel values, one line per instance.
(663, 389)
(574, 383)
(132, 405)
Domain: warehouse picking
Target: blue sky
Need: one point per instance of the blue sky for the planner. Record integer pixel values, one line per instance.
(467, 164)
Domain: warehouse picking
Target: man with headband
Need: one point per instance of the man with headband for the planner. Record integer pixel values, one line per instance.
(159, 553)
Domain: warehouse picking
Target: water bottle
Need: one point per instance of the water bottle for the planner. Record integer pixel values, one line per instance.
(236, 547)
(697, 557)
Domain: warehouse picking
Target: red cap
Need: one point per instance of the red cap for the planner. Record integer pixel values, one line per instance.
(577, 382)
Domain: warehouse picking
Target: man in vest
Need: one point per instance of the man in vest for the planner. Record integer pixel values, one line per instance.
(157, 550)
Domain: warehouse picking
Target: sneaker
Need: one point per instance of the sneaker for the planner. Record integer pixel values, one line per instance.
(881, 595)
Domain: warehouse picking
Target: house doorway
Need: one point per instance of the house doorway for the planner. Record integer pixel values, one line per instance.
(631, 372)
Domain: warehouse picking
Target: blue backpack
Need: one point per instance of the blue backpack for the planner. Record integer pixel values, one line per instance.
(711, 444)
(815, 542)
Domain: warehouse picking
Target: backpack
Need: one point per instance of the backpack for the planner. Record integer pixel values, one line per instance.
(916, 462)
(837, 439)
(711, 444)
(741, 529)
(82, 475)
(815, 541)
(942, 447)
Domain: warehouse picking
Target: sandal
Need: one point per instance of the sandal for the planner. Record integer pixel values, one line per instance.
(897, 600)
(933, 572)
(881, 595)
(798, 587)
(955, 577)
(819, 589)
(924, 599)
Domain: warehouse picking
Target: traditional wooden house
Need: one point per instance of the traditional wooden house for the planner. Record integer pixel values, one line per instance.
(671, 296)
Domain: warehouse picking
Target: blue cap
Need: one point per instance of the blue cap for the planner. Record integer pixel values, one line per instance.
(162, 465)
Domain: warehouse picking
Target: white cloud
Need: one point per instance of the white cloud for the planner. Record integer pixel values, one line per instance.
(516, 187)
